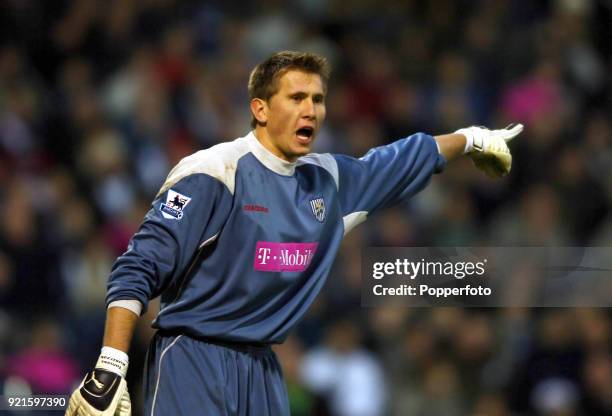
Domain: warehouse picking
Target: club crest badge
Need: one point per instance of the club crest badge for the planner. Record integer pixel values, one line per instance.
(174, 205)
(318, 208)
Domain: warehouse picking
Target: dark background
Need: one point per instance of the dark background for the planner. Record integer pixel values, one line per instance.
(99, 99)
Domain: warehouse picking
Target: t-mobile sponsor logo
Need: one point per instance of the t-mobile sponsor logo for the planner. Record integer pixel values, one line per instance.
(283, 257)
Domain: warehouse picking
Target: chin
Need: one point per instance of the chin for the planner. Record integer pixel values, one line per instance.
(302, 151)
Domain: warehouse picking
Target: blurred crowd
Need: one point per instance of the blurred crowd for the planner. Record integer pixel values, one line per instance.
(99, 99)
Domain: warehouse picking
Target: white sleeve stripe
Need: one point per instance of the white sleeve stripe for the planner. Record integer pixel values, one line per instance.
(159, 368)
(193, 263)
(353, 219)
(210, 240)
(131, 305)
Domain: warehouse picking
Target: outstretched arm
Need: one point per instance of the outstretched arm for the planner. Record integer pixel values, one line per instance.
(451, 145)
(488, 149)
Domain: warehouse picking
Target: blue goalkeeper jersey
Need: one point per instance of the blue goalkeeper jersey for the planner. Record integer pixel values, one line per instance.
(239, 242)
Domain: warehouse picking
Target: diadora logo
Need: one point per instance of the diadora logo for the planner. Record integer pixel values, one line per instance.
(281, 257)
(256, 208)
(317, 205)
(174, 206)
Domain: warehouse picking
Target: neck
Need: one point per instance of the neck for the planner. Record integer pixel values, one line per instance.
(269, 159)
(262, 135)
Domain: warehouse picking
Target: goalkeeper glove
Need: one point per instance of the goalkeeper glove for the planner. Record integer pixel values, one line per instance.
(103, 391)
(488, 149)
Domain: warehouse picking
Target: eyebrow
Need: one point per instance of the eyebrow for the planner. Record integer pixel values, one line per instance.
(302, 94)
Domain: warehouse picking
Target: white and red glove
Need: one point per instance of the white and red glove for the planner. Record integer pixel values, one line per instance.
(488, 148)
(103, 391)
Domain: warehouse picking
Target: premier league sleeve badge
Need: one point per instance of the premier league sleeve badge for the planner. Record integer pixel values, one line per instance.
(174, 205)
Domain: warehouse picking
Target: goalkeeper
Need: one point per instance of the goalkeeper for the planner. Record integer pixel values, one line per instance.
(239, 241)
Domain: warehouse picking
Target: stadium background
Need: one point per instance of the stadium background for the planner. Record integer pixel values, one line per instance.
(99, 99)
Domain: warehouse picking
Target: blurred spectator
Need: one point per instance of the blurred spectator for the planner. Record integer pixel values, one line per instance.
(43, 363)
(290, 355)
(597, 376)
(537, 221)
(34, 256)
(347, 376)
(98, 100)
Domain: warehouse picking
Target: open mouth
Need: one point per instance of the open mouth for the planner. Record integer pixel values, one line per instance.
(305, 134)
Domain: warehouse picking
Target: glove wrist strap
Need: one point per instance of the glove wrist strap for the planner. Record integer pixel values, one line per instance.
(473, 142)
(477, 143)
(113, 360)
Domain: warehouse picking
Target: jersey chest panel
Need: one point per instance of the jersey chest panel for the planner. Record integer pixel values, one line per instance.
(284, 209)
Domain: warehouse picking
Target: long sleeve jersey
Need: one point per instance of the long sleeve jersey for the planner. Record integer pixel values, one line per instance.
(239, 242)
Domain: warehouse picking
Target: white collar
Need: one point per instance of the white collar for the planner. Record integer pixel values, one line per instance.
(269, 159)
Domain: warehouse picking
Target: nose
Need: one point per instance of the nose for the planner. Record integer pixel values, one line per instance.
(308, 110)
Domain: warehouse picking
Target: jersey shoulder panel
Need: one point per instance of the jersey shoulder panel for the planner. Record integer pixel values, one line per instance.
(324, 160)
(219, 161)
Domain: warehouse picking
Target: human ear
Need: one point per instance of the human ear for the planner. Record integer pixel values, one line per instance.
(259, 110)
